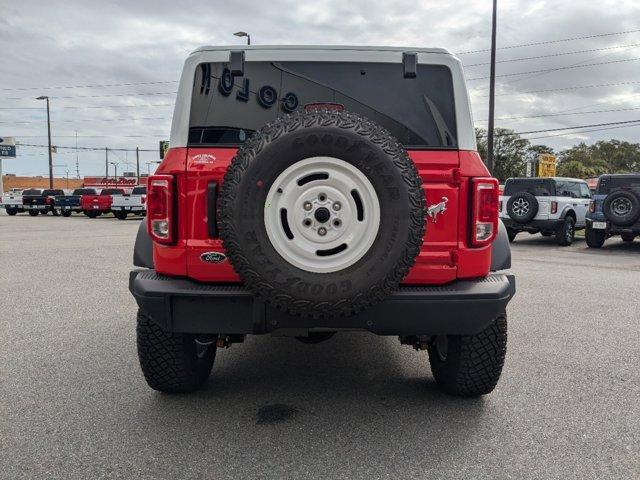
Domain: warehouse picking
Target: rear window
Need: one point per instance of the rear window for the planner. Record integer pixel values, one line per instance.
(48, 193)
(607, 184)
(539, 187)
(139, 191)
(226, 110)
(84, 191)
(112, 191)
(32, 192)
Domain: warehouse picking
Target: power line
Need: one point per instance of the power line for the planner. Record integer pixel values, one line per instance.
(93, 120)
(558, 68)
(104, 85)
(581, 131)
(565, 114)
(570, 128)
(98, 96)
(576, 87)
(584, 37)
(88, 148)
(144, 105)
(554, 55)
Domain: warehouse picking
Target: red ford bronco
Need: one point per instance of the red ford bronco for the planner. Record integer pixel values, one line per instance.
(311, 190)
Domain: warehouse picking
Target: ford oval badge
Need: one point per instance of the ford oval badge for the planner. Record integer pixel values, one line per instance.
(213, 257)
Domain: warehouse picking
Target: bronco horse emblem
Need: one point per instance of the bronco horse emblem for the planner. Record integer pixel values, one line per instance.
(434, 210)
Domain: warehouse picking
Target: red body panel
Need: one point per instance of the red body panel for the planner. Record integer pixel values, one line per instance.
(445, 254)
(103, 202)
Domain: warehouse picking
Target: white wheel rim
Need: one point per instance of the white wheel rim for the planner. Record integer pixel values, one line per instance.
(331, 227)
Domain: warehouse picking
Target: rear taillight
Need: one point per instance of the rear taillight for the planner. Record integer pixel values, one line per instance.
(484, 211)
(592, 206)
(554, 207)
(160, 222)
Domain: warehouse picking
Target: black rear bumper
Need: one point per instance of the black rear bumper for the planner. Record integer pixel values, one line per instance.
(183, 305)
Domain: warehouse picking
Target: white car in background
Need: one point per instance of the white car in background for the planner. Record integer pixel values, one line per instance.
(135, 203)
(12, 202)
(553, 206)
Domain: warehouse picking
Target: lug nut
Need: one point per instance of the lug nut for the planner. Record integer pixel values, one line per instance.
(307, 206)
(322, 231)
(337, 206)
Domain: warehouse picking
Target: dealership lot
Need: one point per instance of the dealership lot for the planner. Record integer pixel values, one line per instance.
(74, 403)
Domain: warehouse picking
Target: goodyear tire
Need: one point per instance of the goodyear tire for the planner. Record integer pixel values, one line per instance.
(522, 207)
(622, 208)
(172, 362)
(469, 365)
(322, 213)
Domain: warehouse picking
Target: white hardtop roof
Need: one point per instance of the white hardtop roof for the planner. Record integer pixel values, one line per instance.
(323, 48)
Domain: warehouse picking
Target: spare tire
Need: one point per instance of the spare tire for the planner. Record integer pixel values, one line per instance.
(522, 207)
(322, 213)
(622, 208)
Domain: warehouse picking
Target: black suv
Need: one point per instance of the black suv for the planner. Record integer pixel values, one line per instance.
(615, 209)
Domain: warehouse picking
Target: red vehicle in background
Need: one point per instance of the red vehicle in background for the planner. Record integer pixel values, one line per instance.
(95, 205)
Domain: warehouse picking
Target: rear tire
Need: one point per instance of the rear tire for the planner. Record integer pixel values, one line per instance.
(469, 365)
(66, 213)
(33, 213)
(627, 237)
(594, 238)
(172, 362)
(91, 214)
(566, 232)
(11, 211)
(43, 212)
(120, 215)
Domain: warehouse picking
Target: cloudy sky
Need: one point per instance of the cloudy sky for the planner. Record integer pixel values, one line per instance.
(83, 55)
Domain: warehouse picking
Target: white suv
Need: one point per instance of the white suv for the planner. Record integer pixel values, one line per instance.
(552, 206)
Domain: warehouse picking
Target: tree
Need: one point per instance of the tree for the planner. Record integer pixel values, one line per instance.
(510, 152)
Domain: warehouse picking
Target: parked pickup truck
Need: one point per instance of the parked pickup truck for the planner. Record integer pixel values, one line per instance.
(95, 205)
(135, 203)
(67, 204)
(40, 201)
(12, 203)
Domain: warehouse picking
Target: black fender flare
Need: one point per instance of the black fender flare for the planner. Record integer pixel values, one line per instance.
(566, 211)
(501, 250)
(143, 249)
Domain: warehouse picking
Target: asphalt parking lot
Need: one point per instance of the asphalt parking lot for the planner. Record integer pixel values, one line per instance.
(74, 403)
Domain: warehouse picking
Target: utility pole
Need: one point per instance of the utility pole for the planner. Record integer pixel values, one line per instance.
(106, 163)
(44, 97)
(77, 163)
(138, 164)
(492, 90)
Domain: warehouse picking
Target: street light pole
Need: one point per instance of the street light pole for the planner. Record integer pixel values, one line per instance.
(44, 97)
(492, 90)
(244, 34)
(106, 163)
(138, 164)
